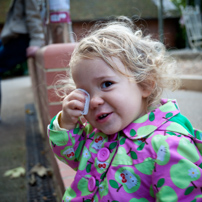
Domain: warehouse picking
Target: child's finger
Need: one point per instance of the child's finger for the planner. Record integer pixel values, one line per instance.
(75, 105)
(72, 108)
(69, 118)
(76, 95)
(71, 111)
(75, 114)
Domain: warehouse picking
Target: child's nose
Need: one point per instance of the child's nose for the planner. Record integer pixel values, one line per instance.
(95, 102)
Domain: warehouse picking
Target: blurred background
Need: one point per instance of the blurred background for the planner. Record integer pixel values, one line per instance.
(147, 14)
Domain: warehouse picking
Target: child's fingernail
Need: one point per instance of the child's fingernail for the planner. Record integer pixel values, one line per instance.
(87, 101)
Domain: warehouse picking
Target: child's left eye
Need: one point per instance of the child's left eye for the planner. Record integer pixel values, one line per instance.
(106, 84)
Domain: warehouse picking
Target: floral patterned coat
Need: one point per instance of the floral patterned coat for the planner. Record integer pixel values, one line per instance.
(158, 157)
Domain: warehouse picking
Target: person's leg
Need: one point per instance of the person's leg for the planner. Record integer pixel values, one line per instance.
(0, 99)
(13, 52)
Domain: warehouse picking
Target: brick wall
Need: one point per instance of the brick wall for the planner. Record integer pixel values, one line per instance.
(50, 61)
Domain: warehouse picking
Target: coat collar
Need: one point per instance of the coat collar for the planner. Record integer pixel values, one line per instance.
(148, 123)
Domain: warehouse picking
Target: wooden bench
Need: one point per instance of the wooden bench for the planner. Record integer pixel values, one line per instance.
(193, 24)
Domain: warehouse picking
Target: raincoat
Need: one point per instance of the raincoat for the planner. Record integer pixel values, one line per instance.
(158, 157)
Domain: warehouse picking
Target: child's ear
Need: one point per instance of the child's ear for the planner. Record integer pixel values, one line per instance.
(147, 89)
(146, 93)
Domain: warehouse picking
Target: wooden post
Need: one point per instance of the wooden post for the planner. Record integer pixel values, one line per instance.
(198, 2)
(160, 21)
(59, 25)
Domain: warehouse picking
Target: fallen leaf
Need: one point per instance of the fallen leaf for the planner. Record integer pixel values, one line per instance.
(32, 179)
(15, 173)
(40, 170)
(28, 111)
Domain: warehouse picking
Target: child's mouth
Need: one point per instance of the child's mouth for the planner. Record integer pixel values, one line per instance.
(102, 116)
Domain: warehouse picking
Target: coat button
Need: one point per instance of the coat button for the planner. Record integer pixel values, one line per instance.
(103, 154)
(91, 184)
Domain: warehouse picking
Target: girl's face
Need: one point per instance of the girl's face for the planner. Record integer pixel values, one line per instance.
(115, 101)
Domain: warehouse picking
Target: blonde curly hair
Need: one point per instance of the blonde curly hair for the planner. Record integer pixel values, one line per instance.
(146, 59)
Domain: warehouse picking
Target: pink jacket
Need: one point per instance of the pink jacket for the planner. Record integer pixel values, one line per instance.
(158, 157)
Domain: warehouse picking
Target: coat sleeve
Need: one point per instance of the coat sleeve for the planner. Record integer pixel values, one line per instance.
(67, 145)
(177, 175)
(34, 23)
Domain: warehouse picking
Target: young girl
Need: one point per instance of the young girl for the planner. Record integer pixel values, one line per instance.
(134, 146)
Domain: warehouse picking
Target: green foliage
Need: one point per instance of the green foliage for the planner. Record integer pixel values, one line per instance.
(183, 3)
(181, 32)
(179, 3)
(19, 70)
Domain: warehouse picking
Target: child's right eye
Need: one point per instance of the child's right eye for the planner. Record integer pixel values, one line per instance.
(106, 84)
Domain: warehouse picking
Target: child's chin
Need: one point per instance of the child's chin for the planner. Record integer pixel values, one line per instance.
(111, 132)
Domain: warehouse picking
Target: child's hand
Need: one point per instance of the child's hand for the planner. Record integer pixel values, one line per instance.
(73, 105)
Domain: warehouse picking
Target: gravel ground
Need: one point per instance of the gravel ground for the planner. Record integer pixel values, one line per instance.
(189, 61)
(190, 66)
(16, 92)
